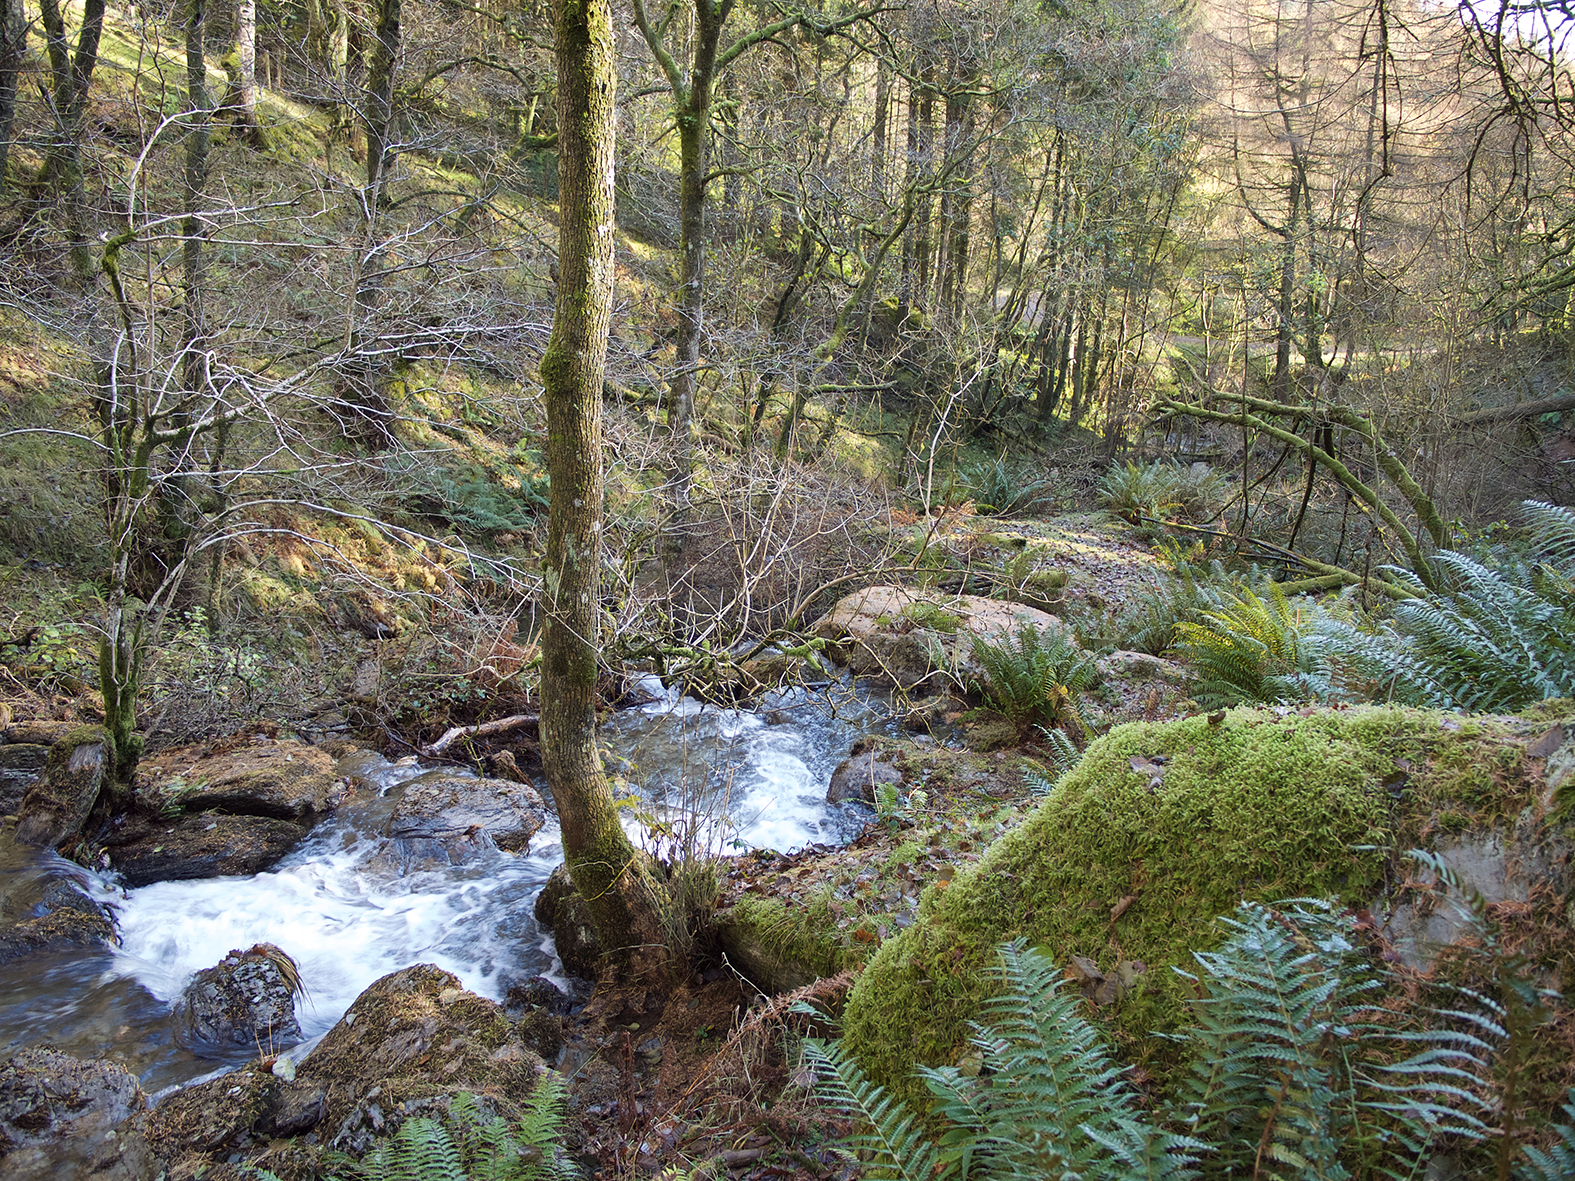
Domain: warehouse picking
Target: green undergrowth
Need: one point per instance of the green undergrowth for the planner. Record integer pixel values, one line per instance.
(1163, 827)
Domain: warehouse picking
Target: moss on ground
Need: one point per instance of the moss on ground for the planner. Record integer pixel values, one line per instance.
(1166, 827)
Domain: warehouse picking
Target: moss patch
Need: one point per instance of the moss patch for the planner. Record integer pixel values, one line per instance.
(1164, 827)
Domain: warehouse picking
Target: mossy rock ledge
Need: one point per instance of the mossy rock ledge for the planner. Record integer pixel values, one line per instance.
(1163, 827)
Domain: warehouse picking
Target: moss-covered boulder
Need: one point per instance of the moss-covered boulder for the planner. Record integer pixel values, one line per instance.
(55, 807)
(1163, 827)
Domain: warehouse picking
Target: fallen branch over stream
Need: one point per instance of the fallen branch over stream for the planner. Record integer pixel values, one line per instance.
(481, 730)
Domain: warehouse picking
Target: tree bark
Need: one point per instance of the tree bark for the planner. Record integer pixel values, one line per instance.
(627, 900)
(71, 80)
(13, 40)
(246, 72)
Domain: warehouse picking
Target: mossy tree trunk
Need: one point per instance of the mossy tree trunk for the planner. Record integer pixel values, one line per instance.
(628, 901)
(71, 77)
(364, 404)
(13, 41)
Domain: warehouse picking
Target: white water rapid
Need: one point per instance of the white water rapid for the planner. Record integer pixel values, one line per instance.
(731, 779)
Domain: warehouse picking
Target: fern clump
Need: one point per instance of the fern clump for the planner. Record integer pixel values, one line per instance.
(1149, 625)
(478, 1147)
(1003, 489)
(1497, 633)
(1161, 490)
(1251, 650)
(1037, 677)
(1297, 1073)
(1042, 1098)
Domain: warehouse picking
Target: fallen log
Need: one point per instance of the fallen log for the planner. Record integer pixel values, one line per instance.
(497, 726)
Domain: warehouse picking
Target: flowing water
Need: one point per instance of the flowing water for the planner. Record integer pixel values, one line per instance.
(725, 779)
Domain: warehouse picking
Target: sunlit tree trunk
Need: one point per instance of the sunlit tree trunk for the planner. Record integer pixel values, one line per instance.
(628, 902)
(71, 78)
(13, 40)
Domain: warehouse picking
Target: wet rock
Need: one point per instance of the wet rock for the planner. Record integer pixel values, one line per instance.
(247, 999)
(908, 637)
(415, 1035)
(858, 777)
(538, 1007)
(51, 915)
(145, 849)
(561, 910)
(409, 1044)
(217, 1117)
(281, 778)
(53, 809)
(454, 810)
(540, 993)
(21, 764)
(296, 1108)
(65, 1117)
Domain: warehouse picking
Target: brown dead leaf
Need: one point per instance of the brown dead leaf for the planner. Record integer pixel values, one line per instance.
(1121, 906)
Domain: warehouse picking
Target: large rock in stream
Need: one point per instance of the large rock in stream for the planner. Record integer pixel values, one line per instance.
(55, 807)
(445, 819)
(246, 999)
(1163, 827)
(409, 1043)
(62, 1117)
(232, 807)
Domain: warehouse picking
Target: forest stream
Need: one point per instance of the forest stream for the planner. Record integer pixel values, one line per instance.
(347, 914)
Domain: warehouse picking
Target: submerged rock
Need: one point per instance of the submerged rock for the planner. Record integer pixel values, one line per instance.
(48, 915)
(65, 1117)
(247, 999)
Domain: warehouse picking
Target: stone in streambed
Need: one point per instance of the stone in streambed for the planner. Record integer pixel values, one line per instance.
(65, 1117)
(561, 910)
(444, 819)
(21, 765)
(256, 776)
(858, 777)
(409, 1044)
(145, 849)
(51, 915)
(247, 999)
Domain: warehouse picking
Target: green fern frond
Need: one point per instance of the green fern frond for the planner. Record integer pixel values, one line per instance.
(888, 1137)
(1250, 649)
(481, 1146)
(1497, 636)
(1060, 1105)
(1293, 1062)
(1557, 1162)
(1037, 676)
(1552, 528)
